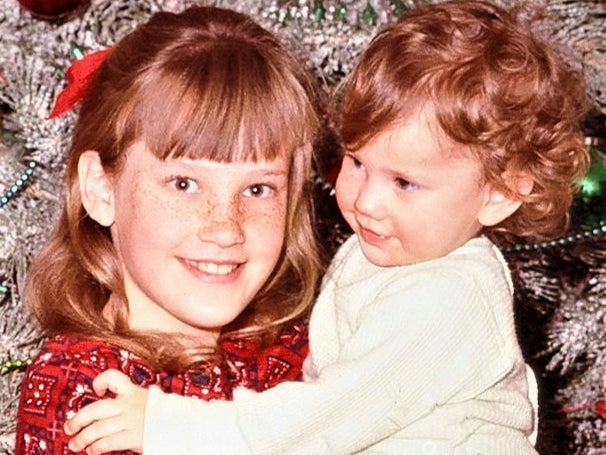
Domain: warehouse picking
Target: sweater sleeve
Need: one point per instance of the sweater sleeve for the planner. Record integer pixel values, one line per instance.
(406, 356)
(173, 425)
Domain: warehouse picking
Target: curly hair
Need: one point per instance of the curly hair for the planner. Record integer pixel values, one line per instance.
(496, 88)
(206, 83)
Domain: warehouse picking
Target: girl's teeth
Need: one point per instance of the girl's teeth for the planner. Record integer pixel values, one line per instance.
(215, 269)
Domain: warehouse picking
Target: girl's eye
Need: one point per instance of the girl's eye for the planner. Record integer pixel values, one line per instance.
(259, 190)
(184, 184)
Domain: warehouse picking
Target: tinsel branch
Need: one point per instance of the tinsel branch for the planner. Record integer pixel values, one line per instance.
(561, 311)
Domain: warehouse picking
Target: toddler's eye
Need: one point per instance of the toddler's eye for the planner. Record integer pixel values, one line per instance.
(259, 190)
(405, 184)
(184, 184)
(354, 161)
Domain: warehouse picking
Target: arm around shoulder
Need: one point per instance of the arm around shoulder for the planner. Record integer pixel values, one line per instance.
(190, 424)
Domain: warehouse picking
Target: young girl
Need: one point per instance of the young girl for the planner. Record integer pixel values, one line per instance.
(459, 126)
(186, 228)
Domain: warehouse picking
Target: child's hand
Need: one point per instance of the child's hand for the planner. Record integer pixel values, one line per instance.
(112, 423)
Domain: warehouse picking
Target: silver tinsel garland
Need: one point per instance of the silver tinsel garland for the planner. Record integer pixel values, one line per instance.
(329, 35)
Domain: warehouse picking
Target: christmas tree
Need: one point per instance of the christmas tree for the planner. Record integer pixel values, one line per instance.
(561, 285)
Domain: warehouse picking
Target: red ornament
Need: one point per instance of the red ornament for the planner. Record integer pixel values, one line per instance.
(600, 407)
(52, 9)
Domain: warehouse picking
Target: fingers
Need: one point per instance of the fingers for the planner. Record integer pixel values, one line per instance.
(110, 424)
(108, 434)
(98, 410)
(112, 380)
(92, 433)
(101, 437)
(114, 442)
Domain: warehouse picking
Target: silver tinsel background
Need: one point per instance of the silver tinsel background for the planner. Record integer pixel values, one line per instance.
(561, 286)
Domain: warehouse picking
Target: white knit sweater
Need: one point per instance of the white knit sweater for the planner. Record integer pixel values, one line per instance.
(419, 359)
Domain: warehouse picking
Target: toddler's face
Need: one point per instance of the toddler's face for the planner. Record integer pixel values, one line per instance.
(408, 197)
(197, 238)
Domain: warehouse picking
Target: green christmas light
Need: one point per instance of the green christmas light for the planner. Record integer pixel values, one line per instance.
(342, 12)
(594, 183)
(11, 365)
(77, 51)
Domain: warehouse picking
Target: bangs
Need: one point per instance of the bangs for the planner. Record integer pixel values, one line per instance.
(223, 106)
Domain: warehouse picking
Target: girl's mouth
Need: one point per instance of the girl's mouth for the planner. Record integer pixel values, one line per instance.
(212, 268)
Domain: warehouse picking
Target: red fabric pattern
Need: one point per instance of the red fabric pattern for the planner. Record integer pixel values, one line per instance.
(59, 381)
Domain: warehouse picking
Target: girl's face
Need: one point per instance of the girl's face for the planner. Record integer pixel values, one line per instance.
(197, 238)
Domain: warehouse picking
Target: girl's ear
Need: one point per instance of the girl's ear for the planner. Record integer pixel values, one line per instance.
(499, 206)
(96, 188)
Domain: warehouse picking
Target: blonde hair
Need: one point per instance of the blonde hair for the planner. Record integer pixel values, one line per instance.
(206, 83)
(495, 88)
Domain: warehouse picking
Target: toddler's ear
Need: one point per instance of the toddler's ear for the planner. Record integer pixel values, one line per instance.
(499, 205)
(96, 188)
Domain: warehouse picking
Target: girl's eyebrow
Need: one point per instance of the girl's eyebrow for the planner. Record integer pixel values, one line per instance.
(261, 171)
(271, 172)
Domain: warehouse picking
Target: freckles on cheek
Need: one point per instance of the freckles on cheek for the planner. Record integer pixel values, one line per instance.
(148, 204)
(273, 219)
(177, 213)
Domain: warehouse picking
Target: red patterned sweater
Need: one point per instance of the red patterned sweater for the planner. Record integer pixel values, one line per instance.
(59, 381)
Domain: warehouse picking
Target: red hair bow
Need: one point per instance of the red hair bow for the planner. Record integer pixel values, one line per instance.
(79, 76)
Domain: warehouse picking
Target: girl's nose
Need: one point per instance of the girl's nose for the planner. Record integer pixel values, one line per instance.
(222, 224)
